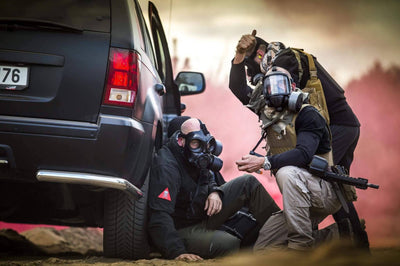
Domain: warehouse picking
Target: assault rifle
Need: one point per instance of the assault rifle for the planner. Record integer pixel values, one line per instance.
(319, 167)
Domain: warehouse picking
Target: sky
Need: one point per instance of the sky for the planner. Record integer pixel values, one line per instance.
(346, 36)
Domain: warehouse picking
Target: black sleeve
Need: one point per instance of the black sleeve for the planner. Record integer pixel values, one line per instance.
(163, 188)
(238, 83)
(213, 186)
(310, 129)
(219, 178)
(165, 237)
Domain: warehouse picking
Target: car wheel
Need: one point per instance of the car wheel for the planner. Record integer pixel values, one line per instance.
(125, 225)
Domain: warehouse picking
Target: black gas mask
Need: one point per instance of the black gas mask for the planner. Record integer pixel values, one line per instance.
(201, 149)
(277, 89)
(253, 70)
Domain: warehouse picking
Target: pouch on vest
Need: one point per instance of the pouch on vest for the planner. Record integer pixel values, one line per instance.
(281, 135)
(349, 192)
(257, 100)
(313, 87)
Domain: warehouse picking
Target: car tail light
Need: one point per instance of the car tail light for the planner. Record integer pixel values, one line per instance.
(123, 78)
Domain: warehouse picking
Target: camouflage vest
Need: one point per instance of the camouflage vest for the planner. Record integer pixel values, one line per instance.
(281, 133)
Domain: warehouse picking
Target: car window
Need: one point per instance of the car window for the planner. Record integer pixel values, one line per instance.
(172, 98)
(145, 34)
(162, 67)
(82, 14)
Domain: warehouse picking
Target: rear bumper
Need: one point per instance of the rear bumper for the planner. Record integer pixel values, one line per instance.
(39, 126)
(89, 179)
(115, 147)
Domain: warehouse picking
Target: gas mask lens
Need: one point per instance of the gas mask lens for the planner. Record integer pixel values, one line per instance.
(277, 88)
(277, 85)
(203, 145)
(194, 144)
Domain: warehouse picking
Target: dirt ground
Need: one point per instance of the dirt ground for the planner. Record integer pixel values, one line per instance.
(78, 246)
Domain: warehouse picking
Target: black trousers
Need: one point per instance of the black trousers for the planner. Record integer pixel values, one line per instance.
(344, 142)
(245, 191)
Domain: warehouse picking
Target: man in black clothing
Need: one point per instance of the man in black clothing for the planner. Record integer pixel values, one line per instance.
(294, 136)
(344, 125)
(186, 205)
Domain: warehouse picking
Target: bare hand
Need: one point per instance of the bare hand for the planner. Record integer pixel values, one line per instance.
(213, 204)
(250, 163)
(189, 257)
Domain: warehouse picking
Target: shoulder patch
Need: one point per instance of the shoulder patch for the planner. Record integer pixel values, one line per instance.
(165, 195)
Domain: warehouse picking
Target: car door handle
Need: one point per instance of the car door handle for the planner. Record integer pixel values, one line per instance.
(183, 107)
(160, 89)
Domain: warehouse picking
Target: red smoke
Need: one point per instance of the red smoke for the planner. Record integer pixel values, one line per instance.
(373, 98)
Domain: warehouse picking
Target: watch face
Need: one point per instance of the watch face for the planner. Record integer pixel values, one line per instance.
(267, 164)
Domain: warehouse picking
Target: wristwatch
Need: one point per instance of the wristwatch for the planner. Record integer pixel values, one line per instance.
(267, 164)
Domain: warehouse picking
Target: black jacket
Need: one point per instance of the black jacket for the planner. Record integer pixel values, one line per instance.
(183, 204)
(340, 112)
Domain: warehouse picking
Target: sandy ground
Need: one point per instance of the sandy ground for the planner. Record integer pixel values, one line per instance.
(78, 246)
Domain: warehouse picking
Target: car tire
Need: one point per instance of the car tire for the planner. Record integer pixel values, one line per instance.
(125, 225)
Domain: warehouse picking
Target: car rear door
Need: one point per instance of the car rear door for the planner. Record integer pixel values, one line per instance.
(53, 58)
(171, 99)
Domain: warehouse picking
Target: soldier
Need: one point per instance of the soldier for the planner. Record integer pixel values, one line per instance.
(186, 204)
(295, 132)
(344, 125)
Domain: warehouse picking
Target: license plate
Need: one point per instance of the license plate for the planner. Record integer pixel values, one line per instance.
(13, 77)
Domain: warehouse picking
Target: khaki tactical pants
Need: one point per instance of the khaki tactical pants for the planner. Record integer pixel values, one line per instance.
(307, 200)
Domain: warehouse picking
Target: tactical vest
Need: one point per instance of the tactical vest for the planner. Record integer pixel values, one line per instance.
(281, 133)
(279, 126)
(313, 86)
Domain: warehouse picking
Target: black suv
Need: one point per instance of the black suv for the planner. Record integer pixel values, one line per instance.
(86, 94)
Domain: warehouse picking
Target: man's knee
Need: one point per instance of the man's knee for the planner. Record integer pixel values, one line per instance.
(286, 176)
(238, 185)
(248, 179)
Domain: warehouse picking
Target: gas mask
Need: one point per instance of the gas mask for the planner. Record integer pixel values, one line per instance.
(274, 48)
(277, 90)
(202, 150)
(253, 70)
